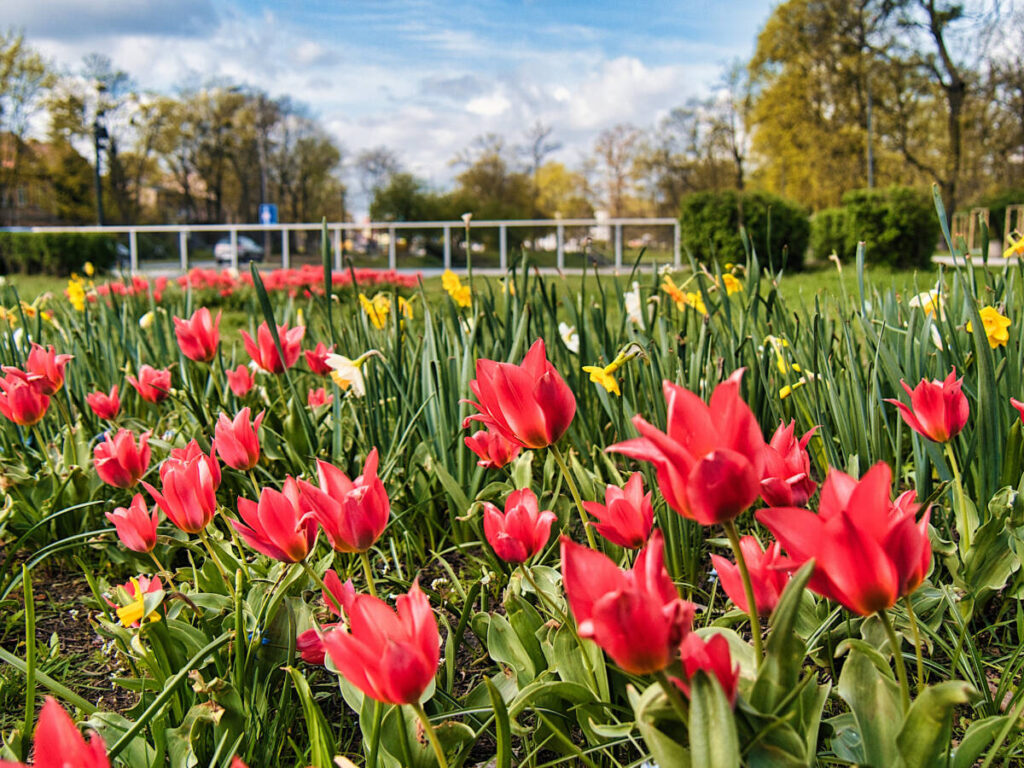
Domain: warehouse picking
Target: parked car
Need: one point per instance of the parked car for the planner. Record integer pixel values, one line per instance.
(248, 250)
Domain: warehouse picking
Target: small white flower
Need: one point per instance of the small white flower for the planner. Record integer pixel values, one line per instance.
(346, 374)
(634, 306)
(147, 320)
(570, 338)
(466, 218)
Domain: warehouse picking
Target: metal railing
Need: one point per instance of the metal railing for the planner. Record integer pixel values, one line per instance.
(336, 229)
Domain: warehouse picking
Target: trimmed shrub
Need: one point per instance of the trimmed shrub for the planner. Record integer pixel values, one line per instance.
(828, 233)
(55, 253)
(710, 227)
(897, 224)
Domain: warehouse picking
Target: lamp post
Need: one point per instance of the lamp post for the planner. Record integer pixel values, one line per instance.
(100, 137)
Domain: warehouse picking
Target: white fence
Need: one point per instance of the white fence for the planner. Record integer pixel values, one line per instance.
(613, 226)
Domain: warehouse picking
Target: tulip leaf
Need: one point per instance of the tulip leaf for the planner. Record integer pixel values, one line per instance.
(925, 735)
(784, 652)
(403, 738)
(505, 647)
(653, 717)
(321, 742)
(713, 740)
(976, 740)
(990, 561)
(502, 730)
(874, 699)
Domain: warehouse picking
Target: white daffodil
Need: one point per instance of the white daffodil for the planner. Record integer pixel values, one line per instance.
(570, 338)
(347, 374)
(930, 303)
(634, 306)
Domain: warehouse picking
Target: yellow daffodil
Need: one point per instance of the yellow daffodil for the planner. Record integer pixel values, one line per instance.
(300, 318)
(1016, 247)
(732, 284)
(787, 390)
(674, 292)
(378, 309)
(450, 281)
(603, 376)
(89, 269)
(405, 306)
(347, 374)
(76, 294)
(930, 303)
(996, 326)
(696, 300)
(460, 293)
(570, 337)
(133, 612)
(8, 316)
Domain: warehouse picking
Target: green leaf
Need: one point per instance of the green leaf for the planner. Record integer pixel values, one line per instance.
(505, 647)
(713, 740)
(784, 651)
(653, 716)
(926, 730)
(321, 743)
(875, 701)
(976, 740)
(503, 732)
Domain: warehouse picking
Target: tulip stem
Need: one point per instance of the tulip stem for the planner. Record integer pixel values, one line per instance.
(160, 569)
(378, 717)
(44, 449)
(748, 588)
(328, 595)
(959, 509)
(575, 495)
(255, 485)
(917, 643)
(897, 655)
(675, 698)
(216, 561)
(442, 762)
(364, 558)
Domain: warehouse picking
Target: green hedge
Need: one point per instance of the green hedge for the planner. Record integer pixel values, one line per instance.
(710, 227)
(897, 224)
(55, 254)
(828, 233)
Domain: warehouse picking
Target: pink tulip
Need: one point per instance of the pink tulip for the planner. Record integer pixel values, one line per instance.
(627, 515)
(136, 528)
(153, 386)
(237, 440)
(353, 513)
(521, 531)
(198, 336)
(119, 461)
(276, 526)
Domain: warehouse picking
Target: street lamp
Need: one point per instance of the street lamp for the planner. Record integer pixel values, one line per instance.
(100, 138)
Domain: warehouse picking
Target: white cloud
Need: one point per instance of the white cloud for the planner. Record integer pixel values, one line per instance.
(489, 106)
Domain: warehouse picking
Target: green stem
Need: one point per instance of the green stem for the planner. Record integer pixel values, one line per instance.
(364, 557)
(959, 509)
(378, 717)
(216, 561)
(255, 485)
(328, 595)
(897, 655)
(45, 451)
(917, 644)
(575, 494)
(748, 588)
(30, 659)
(442, 762)
(675, 698)
(161, 569)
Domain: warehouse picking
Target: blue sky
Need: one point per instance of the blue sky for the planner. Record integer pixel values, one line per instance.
(421, 76)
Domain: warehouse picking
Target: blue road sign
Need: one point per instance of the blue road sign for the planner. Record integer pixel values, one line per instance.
(268, 213)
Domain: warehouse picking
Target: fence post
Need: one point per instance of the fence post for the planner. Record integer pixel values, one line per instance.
(618, 246)
(337, 249)
(677, 245)
(560, 245)
(503, 247)
(183, 249)
(286, 249)
(447, 247)
(133, 250)
(392, 255)
(234, 249)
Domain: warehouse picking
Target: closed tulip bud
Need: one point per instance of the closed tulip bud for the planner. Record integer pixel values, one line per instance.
(389, 655)
(709, 462)
(237, 440)
(712, 657)
(21, 401)
(153, 386)
(105, 406)
(353, 513)
(786, 477)
(240, 380)
(316, 359)
(521, 531)
(868, 551)
(636, 616)
(263, 351)
(198, 336)
(44, 368)
(276, 525)
(188, 493)
(769, 574)
(317, 397)
(529, 404)
(938, 410)
(119, 461)
(59, 744)
(135, 526)
(627, 515)
(493, 449)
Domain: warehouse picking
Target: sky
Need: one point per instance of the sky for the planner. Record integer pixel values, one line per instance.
(423, 77)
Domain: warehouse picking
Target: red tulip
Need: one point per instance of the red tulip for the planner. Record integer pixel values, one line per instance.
(119, 461)
(627, 515)
(309, 643)
(136, 528)
(276, 526)
(711, 657)
(316, 359)
(240, 380)
(21, 401)
(493, 449)
(868, 551)
(59, 744)
(189, 480)
(353, 514)
(153, 386)
(317, 397)
(237, 440)
(522, 531)
(198, 336)
(44, 369)
(105, 406)
(529, 404)
(391, 656)
(786, 477)
(264, 353)
(636, 616)
(710, 461)
(769, 573)
(938, 410)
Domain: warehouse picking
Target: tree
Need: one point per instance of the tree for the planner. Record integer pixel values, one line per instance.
(490, 185)
(375, 167)
(615, 154)
(562, 192)
(537, 147)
